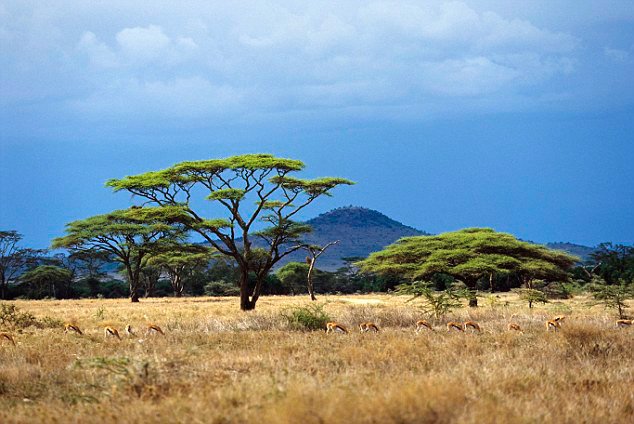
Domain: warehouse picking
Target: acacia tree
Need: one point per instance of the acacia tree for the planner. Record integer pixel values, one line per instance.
(469, 255)
(129, 240)
(234, 184)
(314, 252)
(48, 281)
(14, 259)
(180, 261)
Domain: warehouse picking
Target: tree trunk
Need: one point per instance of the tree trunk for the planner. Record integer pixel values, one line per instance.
(473, 299)
(473, 302)
(311, 289)
(246, 304)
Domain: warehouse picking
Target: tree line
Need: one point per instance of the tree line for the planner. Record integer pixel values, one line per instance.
(243, 210)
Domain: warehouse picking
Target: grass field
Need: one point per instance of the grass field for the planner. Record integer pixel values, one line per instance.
(217, 364)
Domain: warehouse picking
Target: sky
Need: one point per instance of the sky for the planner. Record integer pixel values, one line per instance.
(515, 115)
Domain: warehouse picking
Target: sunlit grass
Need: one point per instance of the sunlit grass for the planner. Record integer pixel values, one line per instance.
(217, 364)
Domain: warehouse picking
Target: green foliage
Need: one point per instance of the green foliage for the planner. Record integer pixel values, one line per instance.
(434, 303)
(613, 296)
(532, 296)
(47, 281)
(293, 277)
(231, 183)
(615, 262)
(221, 288)
(469, 255)
(307, 318)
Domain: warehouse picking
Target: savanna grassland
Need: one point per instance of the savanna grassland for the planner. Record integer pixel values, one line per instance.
(217, 364)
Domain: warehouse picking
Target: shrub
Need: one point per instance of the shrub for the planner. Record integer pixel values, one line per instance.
(311, 317)
(532, 296)
(435, 303)
(221, 288)
(10, 316)
(612, 296)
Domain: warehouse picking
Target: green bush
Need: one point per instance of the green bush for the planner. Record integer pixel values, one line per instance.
(221, 288)
(306, 318)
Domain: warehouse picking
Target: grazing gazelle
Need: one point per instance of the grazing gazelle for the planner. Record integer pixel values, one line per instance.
(129, 331)
(69, 327)
(454, 326)
(473, 325)
(7, 336)
(368, 326)
(622, 323)
(111, 331)
(154, 328)
(334, 327)
(514, 327)
(421, 323)
(554, 325)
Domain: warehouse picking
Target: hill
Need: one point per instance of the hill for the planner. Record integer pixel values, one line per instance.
(360, 231)
(583, 252)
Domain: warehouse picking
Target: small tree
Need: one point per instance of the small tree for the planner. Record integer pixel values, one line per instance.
(532, 296)
(314, 253)
(179, 261)
(14, 259)
(130, 240)
(436, 303)
(613, 296)
(47, 281)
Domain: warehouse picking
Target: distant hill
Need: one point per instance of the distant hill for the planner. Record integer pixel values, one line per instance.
(583, 252)
(360, 231)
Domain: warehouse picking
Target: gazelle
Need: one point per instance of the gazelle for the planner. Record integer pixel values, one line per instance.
(129, 331)
(68, 327)
(553, 325)
(473, 325)
(514, 327)
(153, 328)
(560, 319)
(622, 323)
(334, 327)
(7, 336)
(368, 326)
(421, 323)
(111, 331)
(454, 326)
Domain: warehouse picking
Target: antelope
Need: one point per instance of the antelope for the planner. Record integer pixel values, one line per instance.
(155, 328)
(7, 336)
(473, 325)
(514, 327)
(455, 326)
(555, 325)
(111, 331)
(334, 327)
(559, 318)
(68, 327)
(622, 323)
(420, 324)
(129, 331)
(367, 326)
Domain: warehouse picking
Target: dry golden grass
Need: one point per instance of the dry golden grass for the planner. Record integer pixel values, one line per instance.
(218, 365)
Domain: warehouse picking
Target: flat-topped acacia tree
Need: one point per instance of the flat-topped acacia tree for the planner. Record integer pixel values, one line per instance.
(251, 189)
(124, 237)
(469, 255)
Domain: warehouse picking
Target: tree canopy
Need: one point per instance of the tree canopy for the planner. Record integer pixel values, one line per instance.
(469, 255)
(251, 190)
(125, 234)
(14, 259)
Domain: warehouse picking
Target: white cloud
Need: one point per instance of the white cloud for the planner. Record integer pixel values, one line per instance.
(616, 55)
(272, 57)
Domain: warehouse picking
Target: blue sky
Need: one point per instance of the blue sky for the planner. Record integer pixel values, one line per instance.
(513, 115)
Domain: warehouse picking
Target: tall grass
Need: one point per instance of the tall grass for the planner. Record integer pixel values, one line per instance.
(219, 365)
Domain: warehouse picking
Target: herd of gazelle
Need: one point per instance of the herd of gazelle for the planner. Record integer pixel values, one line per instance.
(551, 325)
(110, 331)
(331, 327)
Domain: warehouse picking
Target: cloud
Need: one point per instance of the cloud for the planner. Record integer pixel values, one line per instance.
(616, 55)
(266, 58)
